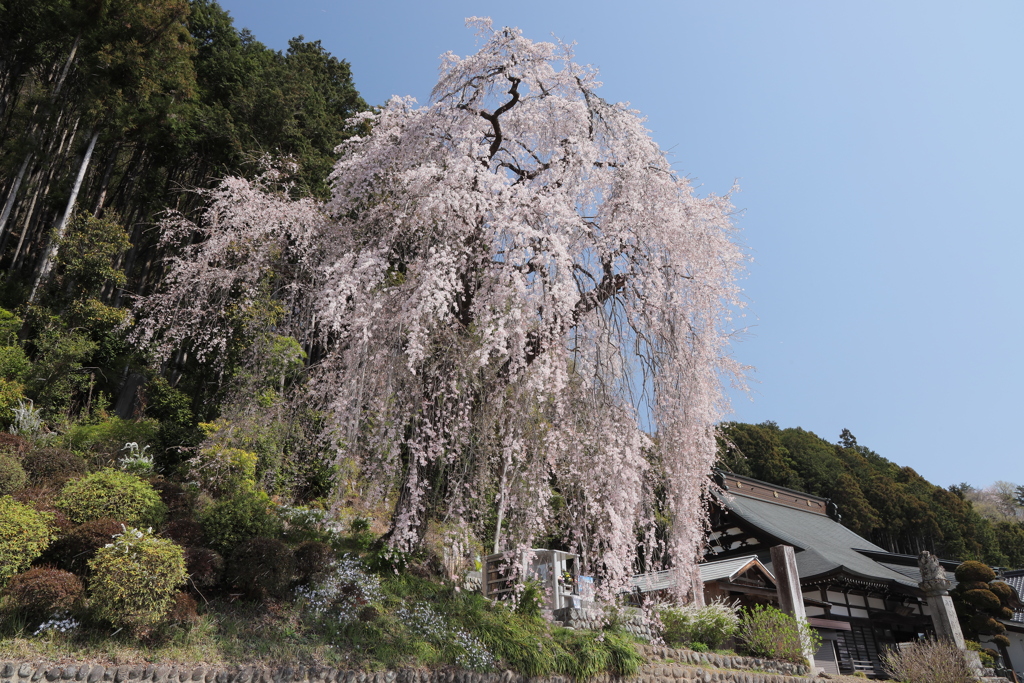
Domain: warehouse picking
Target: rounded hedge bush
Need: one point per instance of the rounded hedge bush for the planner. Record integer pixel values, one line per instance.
(73, 550)
(983, 599)
(262, 567)
(313, 560)
(24, 534)
(974, 571)
(245, 515)
(984, 624)
(14, 444)
(12, 475)
(44, 591)
(1003, 590)
(53, 465)
(183, 610)
(12, 395)
(177, 498)
(135, 578)
(111, 493)
(185, 532)
(205, 567)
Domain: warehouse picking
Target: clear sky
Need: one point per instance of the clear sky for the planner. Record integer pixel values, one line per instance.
(880, 154)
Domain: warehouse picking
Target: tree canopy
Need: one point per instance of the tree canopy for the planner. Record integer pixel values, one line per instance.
(508, 288)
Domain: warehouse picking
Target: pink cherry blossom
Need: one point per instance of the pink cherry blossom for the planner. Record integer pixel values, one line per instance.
(511, 293)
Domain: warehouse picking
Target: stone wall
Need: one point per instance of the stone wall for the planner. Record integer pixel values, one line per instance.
(659, 670)
(663, 656)
(593, 619)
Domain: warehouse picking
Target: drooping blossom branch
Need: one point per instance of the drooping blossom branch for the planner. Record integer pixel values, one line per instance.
(512, 296)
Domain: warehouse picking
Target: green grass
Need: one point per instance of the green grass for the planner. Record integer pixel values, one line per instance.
(226, 633)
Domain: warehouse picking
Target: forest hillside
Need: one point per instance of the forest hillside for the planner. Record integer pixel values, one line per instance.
(890, 505)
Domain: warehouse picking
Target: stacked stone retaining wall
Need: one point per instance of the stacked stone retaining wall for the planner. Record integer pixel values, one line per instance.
(660, 657)
(593, 619)
(658, 670)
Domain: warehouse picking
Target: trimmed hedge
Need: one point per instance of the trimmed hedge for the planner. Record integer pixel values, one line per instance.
(24, 534)
(43, 591)
(12, 475)
(262, 567)
(73, 550)
(111, 493)
(232, 520)
(135, 579)
(53, 465)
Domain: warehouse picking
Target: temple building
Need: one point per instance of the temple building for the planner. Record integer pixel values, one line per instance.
(860, 597)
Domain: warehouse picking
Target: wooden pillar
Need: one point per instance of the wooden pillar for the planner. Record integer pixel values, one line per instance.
(791, 598)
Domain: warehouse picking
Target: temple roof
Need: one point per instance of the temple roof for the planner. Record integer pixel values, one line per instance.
(729, 570)
(824, 548)
(1016, 579)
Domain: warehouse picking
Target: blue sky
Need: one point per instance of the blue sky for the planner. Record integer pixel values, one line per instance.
(879, 149)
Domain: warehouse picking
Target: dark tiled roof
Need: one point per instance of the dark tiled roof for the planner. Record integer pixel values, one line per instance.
(1016, 579)
(822, 544)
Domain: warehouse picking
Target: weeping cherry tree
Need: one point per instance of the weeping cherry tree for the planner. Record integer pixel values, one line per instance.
(510, 294)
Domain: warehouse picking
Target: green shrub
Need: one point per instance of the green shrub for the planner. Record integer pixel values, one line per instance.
(14, 444)
(187, 533)
(43, 591)
(313, 560)
(58, 372)
(24, 534)
(53, 465)
(983, 599)
(974, 571)
(223, 470)
(230, 521)
(710, 625)
(531, 601)
(262, 567)
(73, 550)
(205, 567)
(14, 364)
(10, 325)
(110, 493)
(12, 396)
(109, 437)
(773, 634)
(183, 610)
(988, 656)
(12, 475)
(1002, 590)
(168, 404)
(134, 580)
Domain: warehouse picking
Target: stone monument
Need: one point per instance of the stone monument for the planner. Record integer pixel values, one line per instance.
(936, 588)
